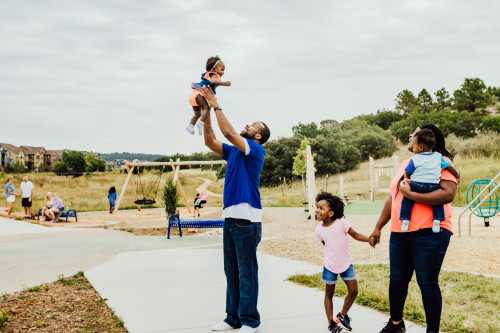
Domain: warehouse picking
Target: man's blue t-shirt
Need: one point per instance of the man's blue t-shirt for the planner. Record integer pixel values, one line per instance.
(242, 180)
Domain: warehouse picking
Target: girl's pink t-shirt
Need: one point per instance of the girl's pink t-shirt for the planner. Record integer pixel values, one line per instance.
(336, 256)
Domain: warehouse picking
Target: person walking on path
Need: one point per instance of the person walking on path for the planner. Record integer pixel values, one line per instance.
(10, 195)
(242, 215)
(27, 196)
(419, 249)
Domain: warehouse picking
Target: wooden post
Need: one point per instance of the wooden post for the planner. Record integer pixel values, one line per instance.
(395, 162)
(311, 181)
(341, 187)
(372, 183)
(124, 188)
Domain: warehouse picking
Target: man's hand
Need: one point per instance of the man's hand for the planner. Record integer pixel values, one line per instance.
(210, 97)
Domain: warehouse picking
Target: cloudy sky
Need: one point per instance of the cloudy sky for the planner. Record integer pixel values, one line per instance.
(109, 75)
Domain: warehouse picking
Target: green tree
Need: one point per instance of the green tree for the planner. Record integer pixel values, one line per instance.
(406, 102)
(463, 124)
(74, 161)
(279, 160)
(94, 163)
(424, 101)
(472, 95)
(309, 130)
(299, 161)
(443, 100)
(334, 154)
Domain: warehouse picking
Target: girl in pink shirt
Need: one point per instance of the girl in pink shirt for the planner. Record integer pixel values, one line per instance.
(333, 233)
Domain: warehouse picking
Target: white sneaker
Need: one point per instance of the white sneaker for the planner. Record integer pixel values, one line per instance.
(247, 329)
(190, 129)
(199, 127)
(222, 327)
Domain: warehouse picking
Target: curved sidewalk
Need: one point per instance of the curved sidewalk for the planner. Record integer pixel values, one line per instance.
(183, 291)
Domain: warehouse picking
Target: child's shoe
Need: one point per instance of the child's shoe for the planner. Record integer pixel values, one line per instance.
(199, 127)
(345, 320)
(436, 226)
(190, 129)
(405, 225)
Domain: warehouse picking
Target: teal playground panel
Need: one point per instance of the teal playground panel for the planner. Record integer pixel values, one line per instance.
(487, 205)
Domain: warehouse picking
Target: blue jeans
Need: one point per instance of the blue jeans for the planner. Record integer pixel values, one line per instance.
(330, 277)
(241, 238)
(423, 252)
(407, 204)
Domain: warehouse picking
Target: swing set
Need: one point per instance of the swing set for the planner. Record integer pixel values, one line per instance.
(147, 195)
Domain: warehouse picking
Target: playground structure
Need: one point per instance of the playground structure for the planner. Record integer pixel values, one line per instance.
(174, 165)
(482, 200)
(378, 170)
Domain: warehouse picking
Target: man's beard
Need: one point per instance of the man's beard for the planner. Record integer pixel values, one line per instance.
(246, 135)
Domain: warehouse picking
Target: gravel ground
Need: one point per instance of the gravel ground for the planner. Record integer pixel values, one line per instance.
(287, 233)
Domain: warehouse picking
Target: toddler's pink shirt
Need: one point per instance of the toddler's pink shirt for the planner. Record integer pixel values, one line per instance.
(336, 256)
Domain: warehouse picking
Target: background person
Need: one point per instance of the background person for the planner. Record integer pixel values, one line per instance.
(27, 196)
(10, 194)
(54, 206)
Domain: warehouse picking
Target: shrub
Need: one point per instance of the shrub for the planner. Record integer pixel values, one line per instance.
(484, 144)
(3, 318)
(170, 197)
(490, 123)
(16, 167)
(60, 168)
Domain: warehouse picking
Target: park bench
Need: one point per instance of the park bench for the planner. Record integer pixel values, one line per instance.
(65, 214)
(175, 222)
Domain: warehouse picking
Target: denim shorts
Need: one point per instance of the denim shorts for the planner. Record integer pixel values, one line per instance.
(331, 278)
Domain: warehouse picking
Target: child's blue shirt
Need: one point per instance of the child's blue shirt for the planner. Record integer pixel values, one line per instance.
(426, 167)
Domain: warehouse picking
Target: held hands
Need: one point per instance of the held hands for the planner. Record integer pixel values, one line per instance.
(374, 238)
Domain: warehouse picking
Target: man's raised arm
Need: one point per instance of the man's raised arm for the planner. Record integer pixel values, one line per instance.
(209, 136)
(225, 126)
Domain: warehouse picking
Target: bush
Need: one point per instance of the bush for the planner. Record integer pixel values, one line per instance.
(16, 167)
(74, 161)
(333, 155)
(3, 318)
(490, 124)
(170, 198)
(484, 144)
(60, 168)
(94, 163)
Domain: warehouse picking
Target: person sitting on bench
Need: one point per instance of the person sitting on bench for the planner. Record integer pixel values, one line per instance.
(53, 208)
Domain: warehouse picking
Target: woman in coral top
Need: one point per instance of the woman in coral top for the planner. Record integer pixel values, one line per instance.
(419, 249)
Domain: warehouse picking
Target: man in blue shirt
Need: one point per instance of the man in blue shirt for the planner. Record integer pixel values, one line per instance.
(242, 215)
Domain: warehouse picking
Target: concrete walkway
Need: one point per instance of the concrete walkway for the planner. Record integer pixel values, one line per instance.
(31, 254)
(183, 291)
(158, 285)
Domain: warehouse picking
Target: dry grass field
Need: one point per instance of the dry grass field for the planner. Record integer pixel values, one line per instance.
(89, 192)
